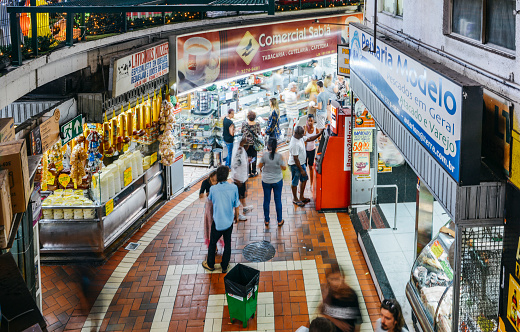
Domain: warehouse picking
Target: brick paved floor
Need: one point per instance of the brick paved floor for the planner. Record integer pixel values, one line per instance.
(162, 287)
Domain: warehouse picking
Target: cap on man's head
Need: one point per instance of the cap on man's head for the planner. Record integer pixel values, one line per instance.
(314, 61)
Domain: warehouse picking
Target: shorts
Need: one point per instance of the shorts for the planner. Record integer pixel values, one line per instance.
(296, 176)
(241, 189)
(310, 157)
(321, 119)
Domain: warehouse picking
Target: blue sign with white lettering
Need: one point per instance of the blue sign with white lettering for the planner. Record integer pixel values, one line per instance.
(428, 104)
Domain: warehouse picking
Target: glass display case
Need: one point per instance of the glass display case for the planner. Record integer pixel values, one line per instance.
(430, 289)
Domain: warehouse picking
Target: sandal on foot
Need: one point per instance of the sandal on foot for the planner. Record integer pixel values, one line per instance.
(305, 200)
(301, 204)
(281, 223)
(266, 224)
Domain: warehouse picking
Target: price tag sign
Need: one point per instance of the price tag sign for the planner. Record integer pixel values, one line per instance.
(127, 176)
(153, 158)
(362, 140)
(436, 249)
(64, 180)
(109, 207)
(59, 165)
(50, 179)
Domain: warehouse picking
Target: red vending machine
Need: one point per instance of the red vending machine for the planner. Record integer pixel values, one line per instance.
(331, 187)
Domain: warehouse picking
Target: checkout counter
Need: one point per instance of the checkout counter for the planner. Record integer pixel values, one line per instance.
(331, 187)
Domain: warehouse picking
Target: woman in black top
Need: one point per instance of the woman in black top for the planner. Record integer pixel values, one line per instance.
(207, 183)
(251, 128)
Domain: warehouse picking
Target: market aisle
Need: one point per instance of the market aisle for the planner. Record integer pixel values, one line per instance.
(162, 286)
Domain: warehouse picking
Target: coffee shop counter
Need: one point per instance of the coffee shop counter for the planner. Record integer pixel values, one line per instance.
(102, 224)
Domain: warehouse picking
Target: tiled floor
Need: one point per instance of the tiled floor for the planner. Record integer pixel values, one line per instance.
(162, 287)
(395, 248)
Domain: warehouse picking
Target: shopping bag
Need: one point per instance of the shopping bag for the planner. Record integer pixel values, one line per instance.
(286, 173)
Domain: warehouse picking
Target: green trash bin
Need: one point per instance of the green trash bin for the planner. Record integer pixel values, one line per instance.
(242, 292)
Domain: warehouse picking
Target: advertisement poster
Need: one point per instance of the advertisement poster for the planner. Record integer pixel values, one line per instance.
(513, 310)
(362, 140)
(381, 166)
(363, 117)
(343, 61)
(347, 156)
(213, 56)
(428, 104)
(136, 69)
(361, 163)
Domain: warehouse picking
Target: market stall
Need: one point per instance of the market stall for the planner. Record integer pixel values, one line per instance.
(99, 180)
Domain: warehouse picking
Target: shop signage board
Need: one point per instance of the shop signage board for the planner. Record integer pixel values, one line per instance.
(427, 103)
(343, 60)
(209, 57)
(72, 129)
(133, 70)
(362, 140)
(347, 154)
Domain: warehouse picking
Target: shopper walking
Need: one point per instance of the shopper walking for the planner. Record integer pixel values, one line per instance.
(273, 123)
(277, 82)
(224, 197)
(250, 130)
(271, 164)
(239, 174)
(340, 304)
(228, 134)
(391, 317)
(205, 187)
(341, 90)
(321, 112)
(310, 145)
(297, 159)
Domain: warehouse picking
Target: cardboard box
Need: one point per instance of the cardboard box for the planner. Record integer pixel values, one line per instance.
(6, 130)
(13, 157)
(6, 213)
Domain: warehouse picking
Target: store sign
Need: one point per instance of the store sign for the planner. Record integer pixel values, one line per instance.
(334, 116)
(46, 134)
(343, 60)
(72, 129)
(209, 57)
(153, 158)
(361, 163)
(127, 176)
(109, 207)
(496, 133)
(362, 140)
(428, 104)
(347, 155)
(134, 70)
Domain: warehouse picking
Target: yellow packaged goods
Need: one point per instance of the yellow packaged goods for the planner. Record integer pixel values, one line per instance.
(78, 192)
(13, 157)
(58, 192)
(68, 192)
(6, 213)
(58, 213)
(6, 130)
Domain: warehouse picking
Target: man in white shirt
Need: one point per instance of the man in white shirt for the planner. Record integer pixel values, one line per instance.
(239, 163)
(318, 70)
(277, 82)
(297, 159)
(290, 98)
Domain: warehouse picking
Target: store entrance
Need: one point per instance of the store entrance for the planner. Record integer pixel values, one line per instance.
(398, 227)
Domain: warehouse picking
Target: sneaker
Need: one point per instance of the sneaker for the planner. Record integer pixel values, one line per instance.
(247, 209)
(206, 266)
(241, 217)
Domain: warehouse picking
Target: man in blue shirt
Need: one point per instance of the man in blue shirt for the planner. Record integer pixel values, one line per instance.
(224, 197)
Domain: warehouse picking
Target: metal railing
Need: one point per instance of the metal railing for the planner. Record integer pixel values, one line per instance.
(372, 199)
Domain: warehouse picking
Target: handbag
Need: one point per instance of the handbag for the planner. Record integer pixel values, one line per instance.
(258, 143)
